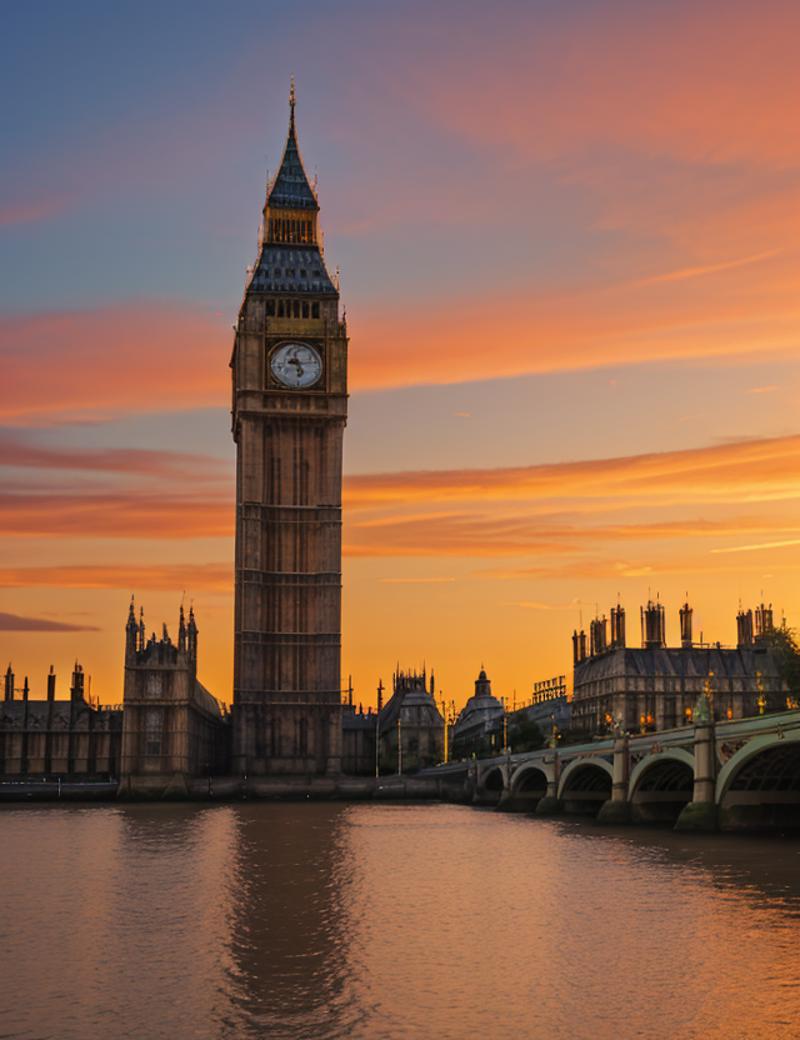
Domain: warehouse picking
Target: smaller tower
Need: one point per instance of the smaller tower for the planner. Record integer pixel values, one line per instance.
(744, 629)
(51, 684)
(686, 626)
(380, 695)
(483, 685)
(763, 619)
(9, 689)
(653, 626)
(76, 690)
(598, 636)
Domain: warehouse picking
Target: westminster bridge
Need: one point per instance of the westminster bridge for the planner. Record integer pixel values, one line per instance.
(729, 774)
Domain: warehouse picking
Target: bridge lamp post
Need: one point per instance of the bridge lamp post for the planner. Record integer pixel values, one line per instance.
(449, 716)
(761, 700)
(399, 746)
(505, 748)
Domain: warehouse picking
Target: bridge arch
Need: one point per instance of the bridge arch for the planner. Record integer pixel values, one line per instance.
(660, 785)
(494, 779)
(585, 784)
(675, 755)
(759, 785)
(531, 777)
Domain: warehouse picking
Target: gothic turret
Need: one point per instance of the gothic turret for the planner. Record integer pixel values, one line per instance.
(191, 636)
(9, 687)
(131, 632)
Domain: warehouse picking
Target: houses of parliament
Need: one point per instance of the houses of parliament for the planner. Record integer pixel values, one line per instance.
(289, 718)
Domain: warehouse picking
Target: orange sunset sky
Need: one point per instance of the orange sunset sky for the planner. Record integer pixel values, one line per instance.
(568, 238)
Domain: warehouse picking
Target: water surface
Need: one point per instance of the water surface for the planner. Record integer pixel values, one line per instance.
(371, 921)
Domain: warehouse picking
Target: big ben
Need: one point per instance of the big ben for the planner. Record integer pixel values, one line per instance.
(289, 412)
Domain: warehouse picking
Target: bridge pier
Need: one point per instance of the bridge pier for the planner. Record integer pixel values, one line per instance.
(618, 809)
(701, 814)
(550, 804)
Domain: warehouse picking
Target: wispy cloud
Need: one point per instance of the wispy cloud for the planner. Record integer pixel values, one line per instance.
(112, 359)
(127, 514)
(20, 452)
(417, 581)
(133, 577)
(31, 210)
(758, 546)
(17, 623)
(758, 470)
(685, 273)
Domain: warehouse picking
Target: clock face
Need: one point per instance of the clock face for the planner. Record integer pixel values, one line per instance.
(296, 365)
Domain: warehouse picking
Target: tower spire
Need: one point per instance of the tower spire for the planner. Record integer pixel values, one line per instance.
(292, 103)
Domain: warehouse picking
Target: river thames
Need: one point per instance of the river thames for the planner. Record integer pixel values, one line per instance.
(389, 921)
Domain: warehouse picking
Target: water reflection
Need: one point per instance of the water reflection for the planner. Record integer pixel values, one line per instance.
(364, 921)
(287, 923)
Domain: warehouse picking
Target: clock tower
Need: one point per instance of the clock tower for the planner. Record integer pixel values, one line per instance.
(289, 412)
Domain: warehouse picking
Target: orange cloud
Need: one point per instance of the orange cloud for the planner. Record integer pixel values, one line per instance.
(497, 335)
(16, 623)
(138, 356)
(753, 470)
(128, 514)
(413, 513)
(713, 83)
(684, 274)
(205, 577)
(18, 452)
(489, 534)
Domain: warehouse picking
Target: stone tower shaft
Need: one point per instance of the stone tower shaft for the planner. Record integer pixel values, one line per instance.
(289, 411)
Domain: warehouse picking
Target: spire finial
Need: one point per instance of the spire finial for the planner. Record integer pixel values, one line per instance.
(292, 102)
